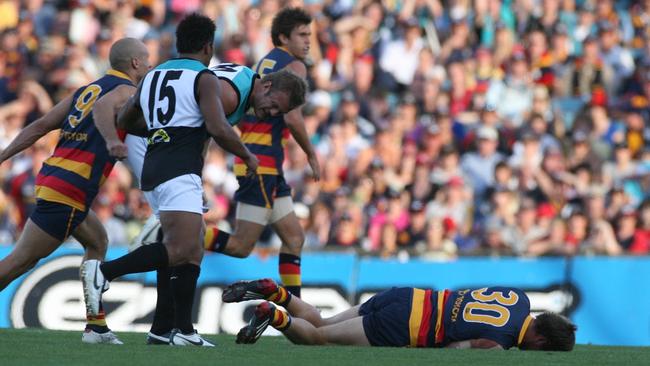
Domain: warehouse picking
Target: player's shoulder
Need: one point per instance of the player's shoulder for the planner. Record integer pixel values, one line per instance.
(277, 53)
(230, 70)
(297, 67)
(181, 63)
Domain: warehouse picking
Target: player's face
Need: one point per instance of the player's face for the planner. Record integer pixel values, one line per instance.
(143, 65)
(271, 104)
(298, 42)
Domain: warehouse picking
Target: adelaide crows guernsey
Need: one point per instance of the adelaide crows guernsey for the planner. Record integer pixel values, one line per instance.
(169, 102)
(501, 314)
(266, 138)
(80, 162)
(242, 79)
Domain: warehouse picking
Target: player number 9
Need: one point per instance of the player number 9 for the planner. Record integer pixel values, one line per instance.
(84, 104)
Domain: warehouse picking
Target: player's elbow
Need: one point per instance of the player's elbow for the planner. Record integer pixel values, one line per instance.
(40, 127)
(218, 130)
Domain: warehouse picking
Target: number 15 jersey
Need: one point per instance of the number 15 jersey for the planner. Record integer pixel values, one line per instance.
(169, 102)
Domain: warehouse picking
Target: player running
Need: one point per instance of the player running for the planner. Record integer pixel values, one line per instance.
(266, 198)
(241, 89)
(70, 179)
(176, 104)
(489, 317)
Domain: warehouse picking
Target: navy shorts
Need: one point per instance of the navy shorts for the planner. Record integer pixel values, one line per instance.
(386, 317)
(57, 219)
(260, 190)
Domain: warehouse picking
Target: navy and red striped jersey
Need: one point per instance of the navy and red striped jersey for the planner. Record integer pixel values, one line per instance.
(501, 314)
(80, 162)
(437, 318)
(267, 138)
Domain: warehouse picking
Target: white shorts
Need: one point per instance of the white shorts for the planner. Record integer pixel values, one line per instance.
(183, 193)
(282, 206)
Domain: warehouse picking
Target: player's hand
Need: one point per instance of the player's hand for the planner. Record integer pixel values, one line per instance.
(315, 167)
(251, 165)
(117, 149)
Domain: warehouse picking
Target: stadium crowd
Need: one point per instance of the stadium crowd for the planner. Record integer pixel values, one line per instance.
(443, 127)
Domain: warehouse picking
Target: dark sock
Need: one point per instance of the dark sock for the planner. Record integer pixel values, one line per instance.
(144, 259)
(163, 318)
(215, 240)
(183, 285)
(289, 268)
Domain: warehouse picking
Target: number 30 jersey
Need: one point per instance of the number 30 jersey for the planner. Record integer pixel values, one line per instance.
(169, 102)
(501, 314)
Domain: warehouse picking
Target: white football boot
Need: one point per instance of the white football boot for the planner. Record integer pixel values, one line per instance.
(92, 337)
(193, 339)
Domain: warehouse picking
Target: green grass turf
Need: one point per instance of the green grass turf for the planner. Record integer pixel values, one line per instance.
(45, 347)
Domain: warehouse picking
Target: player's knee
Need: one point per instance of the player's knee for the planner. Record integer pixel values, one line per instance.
(321, 337)
(22, 264)
(240, 250)
(295, 243)
(31, 264)
(176, 255)
(98, 246)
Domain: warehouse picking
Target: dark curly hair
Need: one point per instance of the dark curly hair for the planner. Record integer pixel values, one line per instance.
(286, 21)
(194, 32)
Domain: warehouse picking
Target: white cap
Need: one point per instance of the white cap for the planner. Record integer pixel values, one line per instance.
(488, 133)
(320, 98)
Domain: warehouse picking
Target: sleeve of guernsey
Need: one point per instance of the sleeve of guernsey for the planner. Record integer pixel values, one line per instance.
(245, 82)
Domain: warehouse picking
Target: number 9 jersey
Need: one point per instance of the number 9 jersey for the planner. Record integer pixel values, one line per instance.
(501, 314)
(169, 102)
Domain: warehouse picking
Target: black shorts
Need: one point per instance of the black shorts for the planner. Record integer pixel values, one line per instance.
(261, 189)
(386, 317)
(57, 219)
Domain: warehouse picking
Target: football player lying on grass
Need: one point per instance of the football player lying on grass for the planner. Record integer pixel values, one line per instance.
(489, 317)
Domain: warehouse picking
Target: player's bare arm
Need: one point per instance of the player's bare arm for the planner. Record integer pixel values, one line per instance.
(480, 343)
(217, 125)
(130, 117)
(228, 97)
(39, 128)
(296, 124)
(105, 112)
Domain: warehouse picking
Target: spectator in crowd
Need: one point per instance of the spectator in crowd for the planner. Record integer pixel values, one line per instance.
(479, 166)
(506, 127)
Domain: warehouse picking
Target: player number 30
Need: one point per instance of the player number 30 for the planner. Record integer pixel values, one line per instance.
(485, 311)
